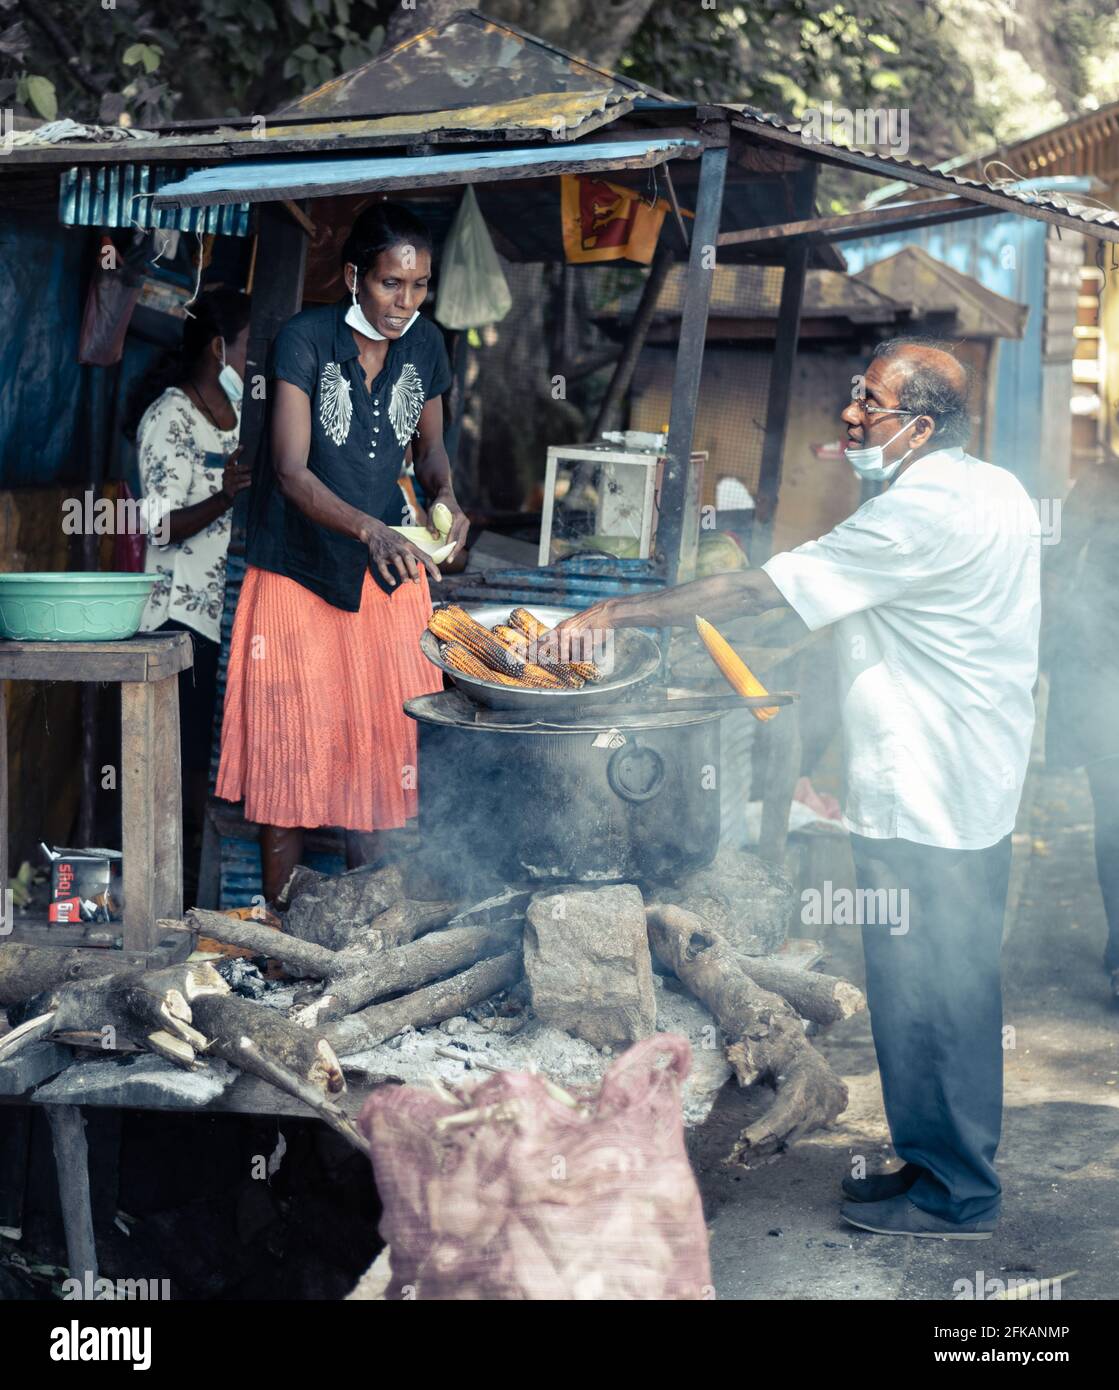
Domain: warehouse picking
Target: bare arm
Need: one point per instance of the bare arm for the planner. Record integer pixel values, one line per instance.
(188, 521)
(291, 448)
(739, 594)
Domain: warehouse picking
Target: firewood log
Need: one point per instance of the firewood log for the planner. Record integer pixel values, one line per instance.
(362, 979)
(353, 977)
(765, 1037)
(426, 1006)
(399, 924)
(227, 1019)
(301, 957)
(823, 999)
(26, 971)
(151, 1009)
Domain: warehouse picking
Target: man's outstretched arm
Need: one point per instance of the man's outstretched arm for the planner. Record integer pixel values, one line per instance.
(739, 594)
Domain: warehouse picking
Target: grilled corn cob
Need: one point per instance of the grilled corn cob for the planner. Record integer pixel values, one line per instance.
(454, 624)
(737, 673)
(572, 673)
(532, 627)
(585, 670)
(512, 637)
(565, 672)
(461, 659)
(539, 679)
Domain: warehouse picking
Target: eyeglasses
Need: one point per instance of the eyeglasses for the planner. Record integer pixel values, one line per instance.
(880, 409)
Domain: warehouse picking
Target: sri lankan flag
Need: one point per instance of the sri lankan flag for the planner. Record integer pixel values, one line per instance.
(606, 222)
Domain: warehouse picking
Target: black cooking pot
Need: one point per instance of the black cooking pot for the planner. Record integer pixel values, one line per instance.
(629, 797)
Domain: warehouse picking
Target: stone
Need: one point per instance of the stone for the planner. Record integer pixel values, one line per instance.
(34, 1064)
(587, 963)
(330, 908)
(741, 897)
(140, 1080)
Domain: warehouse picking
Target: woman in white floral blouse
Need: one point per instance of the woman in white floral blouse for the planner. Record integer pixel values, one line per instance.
(189, 475)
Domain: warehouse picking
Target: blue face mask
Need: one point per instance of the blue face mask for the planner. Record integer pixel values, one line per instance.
(869, 463)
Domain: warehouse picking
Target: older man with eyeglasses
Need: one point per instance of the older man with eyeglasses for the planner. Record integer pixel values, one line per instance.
(933, 587)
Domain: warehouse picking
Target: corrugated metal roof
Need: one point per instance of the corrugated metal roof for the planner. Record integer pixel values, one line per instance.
(270, 181)
(468, 60)
(1050, 207)
(120, 195)
(562, 114)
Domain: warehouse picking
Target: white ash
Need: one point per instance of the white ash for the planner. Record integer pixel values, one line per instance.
(415, 1057)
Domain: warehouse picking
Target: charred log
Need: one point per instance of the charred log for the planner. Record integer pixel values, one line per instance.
(227, 1020)
(764, 1035)
(430, 1005)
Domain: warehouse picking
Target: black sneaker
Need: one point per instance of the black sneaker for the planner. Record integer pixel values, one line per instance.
(899, 1217)
(882, 1186)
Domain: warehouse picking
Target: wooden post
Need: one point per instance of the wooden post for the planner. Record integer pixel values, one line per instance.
(781, 371)
(151, 808)
(281, 262)
(71, 1158)
(671, 541)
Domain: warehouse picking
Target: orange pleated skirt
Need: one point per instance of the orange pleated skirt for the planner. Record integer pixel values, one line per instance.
(313, 732)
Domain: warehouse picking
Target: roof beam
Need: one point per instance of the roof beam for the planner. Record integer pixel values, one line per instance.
(863, 223)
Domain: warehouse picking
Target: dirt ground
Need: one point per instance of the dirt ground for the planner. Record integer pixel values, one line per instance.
(775, 1230)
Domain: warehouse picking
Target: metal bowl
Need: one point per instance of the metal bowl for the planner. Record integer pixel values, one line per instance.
(637, 658)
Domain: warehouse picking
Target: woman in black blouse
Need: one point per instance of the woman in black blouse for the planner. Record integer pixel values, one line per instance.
(325, 645)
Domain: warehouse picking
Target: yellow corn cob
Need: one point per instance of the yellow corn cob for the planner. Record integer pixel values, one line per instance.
(460, 659)
(737, 673)
(454, 624)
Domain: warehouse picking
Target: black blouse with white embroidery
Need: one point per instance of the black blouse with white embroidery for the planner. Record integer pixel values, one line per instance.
(358, 438)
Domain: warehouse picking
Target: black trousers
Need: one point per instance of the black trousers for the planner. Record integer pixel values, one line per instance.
(198, 693)
(934, 992)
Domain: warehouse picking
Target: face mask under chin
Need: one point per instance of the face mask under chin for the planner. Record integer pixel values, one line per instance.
(869, 463)
(360, 324)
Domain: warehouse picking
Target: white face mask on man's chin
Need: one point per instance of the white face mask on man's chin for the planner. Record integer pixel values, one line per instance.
(869, 462)
(360, 324)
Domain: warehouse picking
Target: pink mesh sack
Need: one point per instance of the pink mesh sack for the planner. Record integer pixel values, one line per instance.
(512, 1191)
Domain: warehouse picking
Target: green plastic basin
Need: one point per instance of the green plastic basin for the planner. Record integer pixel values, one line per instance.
(74, 607)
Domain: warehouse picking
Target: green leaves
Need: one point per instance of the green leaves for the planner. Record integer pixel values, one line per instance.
(145, 54)
(39, 94)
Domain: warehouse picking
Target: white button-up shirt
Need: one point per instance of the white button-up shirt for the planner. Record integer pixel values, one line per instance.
(934, 587)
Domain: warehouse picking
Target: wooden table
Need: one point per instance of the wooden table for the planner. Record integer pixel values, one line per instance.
(147, 669)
